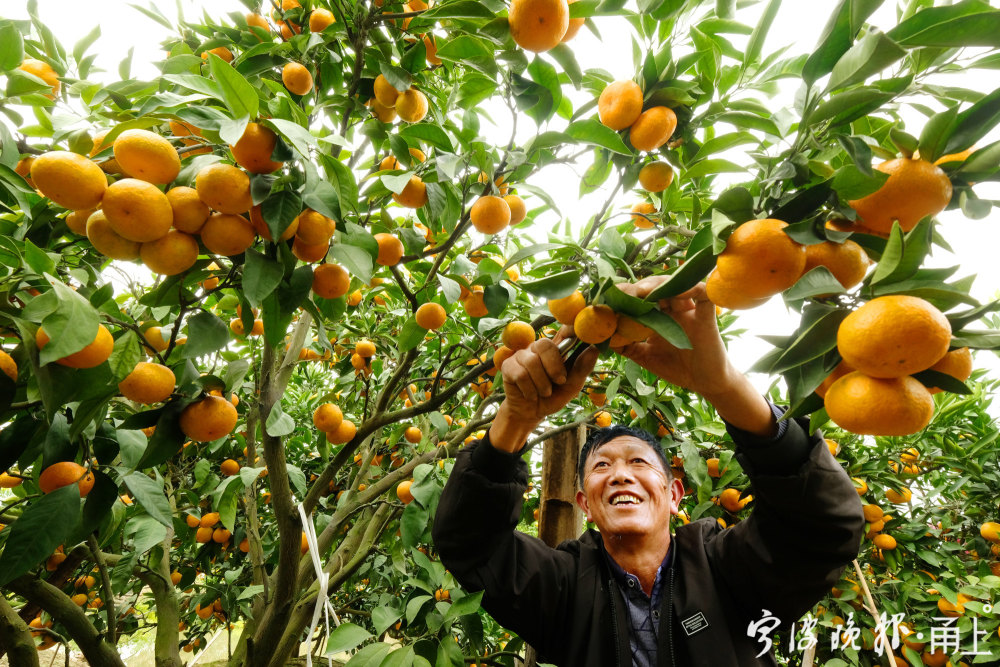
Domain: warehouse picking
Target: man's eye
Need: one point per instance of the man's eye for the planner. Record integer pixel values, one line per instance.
(600, 464)
(638, 460)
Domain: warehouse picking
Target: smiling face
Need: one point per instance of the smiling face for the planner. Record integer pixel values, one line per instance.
(626, 490)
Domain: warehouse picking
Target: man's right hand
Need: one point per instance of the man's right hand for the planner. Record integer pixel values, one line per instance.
(536, 385)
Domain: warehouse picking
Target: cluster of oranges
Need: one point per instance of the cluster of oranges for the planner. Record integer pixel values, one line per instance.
(595, 324)
(410, 104)
(620, 107)
(329, 419)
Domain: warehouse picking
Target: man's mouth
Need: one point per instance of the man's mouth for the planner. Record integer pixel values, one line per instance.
(625, 499)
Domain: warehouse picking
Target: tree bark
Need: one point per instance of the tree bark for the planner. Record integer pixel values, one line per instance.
(559, 517)
(97, 651)
(166, 648)
(16, 637)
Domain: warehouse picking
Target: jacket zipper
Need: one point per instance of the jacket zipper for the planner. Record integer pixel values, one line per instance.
(670, 617)
(614, 621)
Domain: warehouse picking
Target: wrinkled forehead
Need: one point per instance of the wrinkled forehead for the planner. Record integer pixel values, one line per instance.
(623, 445)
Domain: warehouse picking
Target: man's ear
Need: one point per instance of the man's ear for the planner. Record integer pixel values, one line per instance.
(581, 502)
(676, 495)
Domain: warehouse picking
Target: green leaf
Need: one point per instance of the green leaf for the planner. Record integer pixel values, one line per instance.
(936, 379)
(749, 120)
(346, 637)
(11, 46)
(974, 123)
(666, 327)
(357, 261)
(410, 335)
(343, 182)
(850, 105)
(278, 423)
(816, 340)
(969, 23)
(237, 93)
(296, 135)
(467, 605)
(37, 259)
(150, 495)
(42, 526)
(383, 618)
(529, 251)
(429, 133)
(71, 327)
(592, 131)
(84, 44)
(936, 133)
(838, 35)
(279, 210)
(903, 256)
(756, 42)
(555, 286)
(624, 303)
(711, 168)
(397, 77)
(464, 47)
(851, 183)
(869, 56)
(689, 274)
(206, 333)
(261, 276)
(816, 282)
(611, 243)
(370, 656)
(125, 355)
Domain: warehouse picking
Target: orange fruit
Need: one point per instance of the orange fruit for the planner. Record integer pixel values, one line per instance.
(414, 195)
(502, 354)
(257, 21)
(656, 176)
(221, 51)
(879, 406)
(847, 261)
(9, 481)
(224, 188)
(304, 546)
(730, 500)
(652, 128)
(320, 19)
(390, 250)
(956, 363)
(207, 611)
(518, 335)
(146, 156)
(567, 308)
(872, 513)
(640, 212)
(69, 179)
(413, 434)
(632, 331)
(885, 542)
(208, 419)
(475, 305)
(431, 316)
(490, 214)
(43, 71)
(253, 150)
(953, 610)
(574, 26)
(385, 92)
(175, 577)
(761, 259)
(314, 228)
(23, 169)
(595, 324)
(840, 371)
(227, 234)
(620, 104)
(430, 48)
(174, 253)
(990, 531)
(343, 433)
(603, 419)
(365, 348)
(354, 298)
(189, 211)
(260, 225)
(713, 468)
(80, 599)
(77, 221)
(411, 105)
(148, 383)
(403, 491)
(382, 112)
(327, 417)
(192, 521)
(894, 336)
(938, 658)
(94, 354)
(8, 366)
(538, 25)
(518, 210)
(182, 129)
(209, 520)
(137, 210)
(296, 78)
(63, 474)
(915, 189)
(331, 281)
(229, 467)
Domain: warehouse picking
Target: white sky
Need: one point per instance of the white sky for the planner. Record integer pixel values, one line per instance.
(799, 23)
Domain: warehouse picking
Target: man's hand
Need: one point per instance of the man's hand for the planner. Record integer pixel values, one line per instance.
(536, 385)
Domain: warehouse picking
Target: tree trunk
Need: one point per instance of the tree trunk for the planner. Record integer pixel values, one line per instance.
(16, 638)
(167, 642)
(97, 651)
(559, 518)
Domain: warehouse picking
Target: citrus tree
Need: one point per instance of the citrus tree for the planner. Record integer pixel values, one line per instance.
(254, 306)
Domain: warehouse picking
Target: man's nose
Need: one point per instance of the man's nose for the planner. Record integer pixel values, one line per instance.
(620, 473)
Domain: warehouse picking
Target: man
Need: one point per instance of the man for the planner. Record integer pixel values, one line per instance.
(632, 594)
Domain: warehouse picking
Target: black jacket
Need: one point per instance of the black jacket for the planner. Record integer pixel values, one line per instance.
(806, 524)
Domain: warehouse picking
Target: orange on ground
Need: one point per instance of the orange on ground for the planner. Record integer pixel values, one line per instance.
(253, 150)
(761, 258)
(43, 71)
(652, 128)
(137, 210)
(208, 419)
(518, 335)
(319, 19)
(411, 105)
(189, 211)
(227, 234)
(414, 195)
(69, 179)
(390, 250)
(431, 316)
(847, 261)
(538, 25)
(894, 336)
(327, 417)
(595, 324)
(94, 354)
(656, 176)
(385, 92)
(567, 308)
(343, 433)
(413, 434)
(956, 363)
(879, 406)
(309, 253)
(148, 383)
(63, 474)
(518, 209)
(490, 214)
(173, 253)
(146, 156)
(296, 78)
(229, 467)
(403, 491)
(331, 281)
(639, 213)
(224, 188)
(620, 104)
(475, 305)
(915, 189)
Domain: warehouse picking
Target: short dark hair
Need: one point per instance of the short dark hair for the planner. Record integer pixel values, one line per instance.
(602, 436)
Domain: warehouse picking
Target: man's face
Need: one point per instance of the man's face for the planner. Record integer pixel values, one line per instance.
(626, 490)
